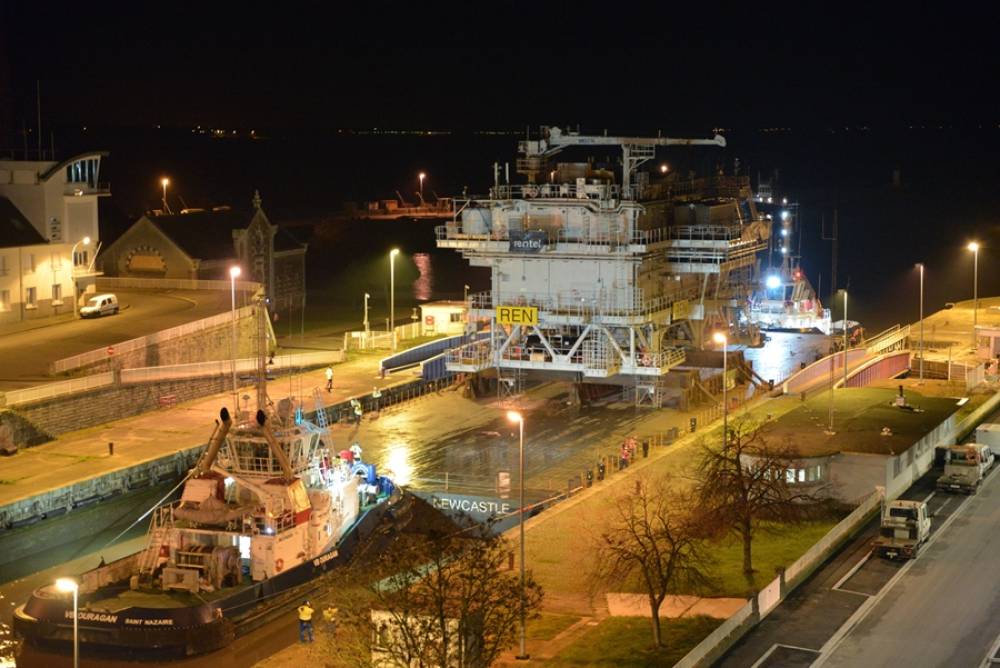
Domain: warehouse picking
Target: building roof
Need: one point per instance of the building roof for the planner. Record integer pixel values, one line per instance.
(205, 235)
(860, 414)
(15, 229)
(208, 235)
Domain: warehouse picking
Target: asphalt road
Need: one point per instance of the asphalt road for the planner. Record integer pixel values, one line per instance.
(27, 354)
(862, 611)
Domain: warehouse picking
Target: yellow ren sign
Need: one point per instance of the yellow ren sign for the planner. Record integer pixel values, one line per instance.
(517, 315)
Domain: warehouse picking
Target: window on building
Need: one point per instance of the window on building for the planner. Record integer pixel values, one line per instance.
(29, 263)
(80, 259)
(31, 300)
(3, 265)
(4, 300)
(456, 317)
(56, 294)
(56, 260)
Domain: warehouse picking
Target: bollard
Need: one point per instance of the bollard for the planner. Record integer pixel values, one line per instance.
(111, 448)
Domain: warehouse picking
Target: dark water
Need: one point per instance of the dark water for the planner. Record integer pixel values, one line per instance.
(947, 196)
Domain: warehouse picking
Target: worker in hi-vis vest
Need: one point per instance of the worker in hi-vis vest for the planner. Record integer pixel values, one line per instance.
(305, 622)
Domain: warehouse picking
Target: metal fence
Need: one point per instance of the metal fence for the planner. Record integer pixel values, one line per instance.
(51, 390)
(101, 354)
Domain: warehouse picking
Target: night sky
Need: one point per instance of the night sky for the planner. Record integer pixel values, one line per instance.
(508, 64)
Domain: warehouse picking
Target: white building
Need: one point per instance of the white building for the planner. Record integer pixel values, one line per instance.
(48, 234)
(443, 317)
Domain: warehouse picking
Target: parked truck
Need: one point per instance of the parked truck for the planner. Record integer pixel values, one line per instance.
(989, 434)
(964, 468)
(906, 525)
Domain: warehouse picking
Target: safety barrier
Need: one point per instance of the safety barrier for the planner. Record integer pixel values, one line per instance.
(60, 388)
(812, 373)
(173, 372)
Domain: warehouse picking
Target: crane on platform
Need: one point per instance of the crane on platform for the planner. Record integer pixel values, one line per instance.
(635, 150)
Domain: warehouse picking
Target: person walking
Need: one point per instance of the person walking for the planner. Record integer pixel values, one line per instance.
(329, 379)
(305, 621)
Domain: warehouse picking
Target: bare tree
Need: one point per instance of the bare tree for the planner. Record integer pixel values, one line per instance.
(658, 533)
(438, 601)
(748, 481)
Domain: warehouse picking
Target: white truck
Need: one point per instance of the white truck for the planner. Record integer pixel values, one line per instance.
(989, 434)
(906, 525)
(964, 468)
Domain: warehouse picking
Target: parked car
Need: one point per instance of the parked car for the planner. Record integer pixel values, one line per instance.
(100, 305)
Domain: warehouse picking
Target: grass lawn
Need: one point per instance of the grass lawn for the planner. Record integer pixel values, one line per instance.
(625, 642)
(549, 625)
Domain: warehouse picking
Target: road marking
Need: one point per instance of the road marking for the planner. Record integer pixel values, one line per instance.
(930, 496)
(775, 646)
(850, 573)
(831, 645)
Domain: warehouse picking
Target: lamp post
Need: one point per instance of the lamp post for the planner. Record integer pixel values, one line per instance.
(234, 273)
(67, 585)
(723, 341)
(920, 265)
(72, 271)
(974, 247)
(465, 294)
(845, 338)
(514, 416)
(367, 297)
(392, 294)
(421, 176)
(165, 182)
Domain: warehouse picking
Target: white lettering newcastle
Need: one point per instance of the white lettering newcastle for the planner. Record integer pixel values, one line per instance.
(323, 558)
(469, 506)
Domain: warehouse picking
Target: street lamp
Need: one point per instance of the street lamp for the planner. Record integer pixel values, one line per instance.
(367, 297)
(664, 168)
(72, 272)
(392, 292)
(465, 295)
(234, 273)
(845, 338)
(67, 585)
(723, 341)
(920, 265)
(421, 176)
(974, 247)
(165, 182)
(514, 416)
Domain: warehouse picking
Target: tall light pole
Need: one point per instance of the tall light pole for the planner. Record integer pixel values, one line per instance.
(723, 341)
(421, 176)
(465, 295)
(72, 270)
(920, 265)
(845, 338)
(234, 273)
(165, 182)
(367, 297)
(392, 295)
(67, 585)
(974, 247)
(514, 416)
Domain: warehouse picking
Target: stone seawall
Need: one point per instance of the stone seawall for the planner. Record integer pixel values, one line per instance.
(206, 345)
(87, 409)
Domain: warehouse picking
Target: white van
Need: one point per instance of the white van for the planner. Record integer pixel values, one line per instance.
(98, 305)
